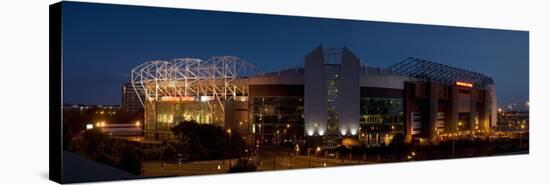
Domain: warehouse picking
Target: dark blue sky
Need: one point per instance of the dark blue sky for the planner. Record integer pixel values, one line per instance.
(102, 43)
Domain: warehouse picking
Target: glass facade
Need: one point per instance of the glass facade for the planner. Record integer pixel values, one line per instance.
(332, 72)
(169, 114)
(463, 124)
(276, 119)
(381, 119)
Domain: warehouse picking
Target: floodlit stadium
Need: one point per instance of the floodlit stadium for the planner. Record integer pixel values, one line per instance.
(189, 89)
(332, 97)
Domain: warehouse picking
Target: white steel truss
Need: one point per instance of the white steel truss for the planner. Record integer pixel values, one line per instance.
(192, 79)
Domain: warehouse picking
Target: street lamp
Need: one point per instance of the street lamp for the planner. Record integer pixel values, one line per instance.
(100, 124)
(278, 137)
(521, 135)
(317, 151)
(229, 132)
(308, 158)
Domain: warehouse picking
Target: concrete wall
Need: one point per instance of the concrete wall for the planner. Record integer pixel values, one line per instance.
(315, 91)
(384, 81)
(287, 79)
(348, 94)
(493, 99)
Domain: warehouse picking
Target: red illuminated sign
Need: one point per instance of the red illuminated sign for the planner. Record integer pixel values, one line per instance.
(464, 84)
(175, 98)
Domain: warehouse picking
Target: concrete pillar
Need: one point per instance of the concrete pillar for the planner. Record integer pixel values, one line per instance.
(451, 127)
(492, 96)
(408, 102)
(315, 99)
(473, 108)
(228, 117)
(484, 123)
(348, 94)
(433, 109)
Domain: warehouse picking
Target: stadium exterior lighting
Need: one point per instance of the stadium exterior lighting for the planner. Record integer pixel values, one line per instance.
(190, 79)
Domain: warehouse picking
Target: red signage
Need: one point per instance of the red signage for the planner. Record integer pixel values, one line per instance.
(464, 84)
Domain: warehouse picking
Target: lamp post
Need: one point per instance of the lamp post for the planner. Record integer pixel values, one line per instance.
(317, 154)
(521, 135)
(453, 148)
(365, 155)
(308, 158)
(297, 150)
(229, 132)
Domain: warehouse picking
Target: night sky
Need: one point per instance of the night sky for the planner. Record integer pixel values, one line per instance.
(102, 43)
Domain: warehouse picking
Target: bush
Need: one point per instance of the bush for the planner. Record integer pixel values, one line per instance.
(153, 154)
(243, 165)
(206, 142)
(113, 152)
(130, 160)
(91, 141)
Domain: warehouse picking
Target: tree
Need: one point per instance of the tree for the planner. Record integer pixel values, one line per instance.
(114, 152)
(91, 141)
(398, 145)
(398, 141)
(206, 142)
(130, 160)
(243, 165)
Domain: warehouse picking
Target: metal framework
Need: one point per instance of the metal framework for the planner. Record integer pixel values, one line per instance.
(441, 73)
(191, 79)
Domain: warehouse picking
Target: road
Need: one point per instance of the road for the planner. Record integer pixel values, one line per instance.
(281, 158)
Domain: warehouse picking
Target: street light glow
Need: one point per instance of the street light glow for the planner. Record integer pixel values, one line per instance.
(100, 124)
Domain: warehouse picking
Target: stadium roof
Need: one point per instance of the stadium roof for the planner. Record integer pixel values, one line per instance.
(440, 73)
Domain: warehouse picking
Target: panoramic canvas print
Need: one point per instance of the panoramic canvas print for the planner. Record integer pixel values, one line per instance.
(161, 92)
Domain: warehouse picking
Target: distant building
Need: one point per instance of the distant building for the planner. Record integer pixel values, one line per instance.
(95, 109)
(130, 99)
(511, 121)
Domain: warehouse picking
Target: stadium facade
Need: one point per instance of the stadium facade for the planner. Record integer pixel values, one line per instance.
(331, 98)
